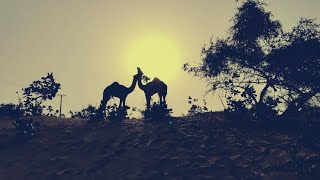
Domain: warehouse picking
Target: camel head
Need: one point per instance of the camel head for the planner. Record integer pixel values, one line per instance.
(140, 73)
(136, 77)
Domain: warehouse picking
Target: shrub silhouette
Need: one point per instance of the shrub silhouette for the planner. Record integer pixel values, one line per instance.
(38, 92)
(157, 111)
(88, 112)
(12, 110)
(117, 114)
(112, 112)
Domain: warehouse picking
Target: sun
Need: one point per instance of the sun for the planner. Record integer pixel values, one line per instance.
(156, 55)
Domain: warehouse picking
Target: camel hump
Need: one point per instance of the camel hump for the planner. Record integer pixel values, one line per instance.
(115, 84)
(156, 79)
(112, 86)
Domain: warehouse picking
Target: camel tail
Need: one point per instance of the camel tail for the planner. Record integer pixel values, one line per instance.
(165, 89)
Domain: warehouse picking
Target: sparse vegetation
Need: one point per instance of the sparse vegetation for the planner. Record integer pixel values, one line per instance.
(26, 128)
(196, 107)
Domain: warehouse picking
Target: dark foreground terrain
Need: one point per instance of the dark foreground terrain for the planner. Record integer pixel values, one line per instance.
(198, 147)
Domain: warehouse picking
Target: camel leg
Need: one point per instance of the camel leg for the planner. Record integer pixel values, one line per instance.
(148, 102)
(103, 104)
(160, 99)
(120, 103)
(124, 103)
(102, 108)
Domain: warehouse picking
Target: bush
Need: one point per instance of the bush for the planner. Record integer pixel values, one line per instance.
(26, 128)
(12, 110)
(113, 113)
(88, 112)
(157, 112)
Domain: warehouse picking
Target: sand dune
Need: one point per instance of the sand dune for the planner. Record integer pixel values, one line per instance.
(197, 147)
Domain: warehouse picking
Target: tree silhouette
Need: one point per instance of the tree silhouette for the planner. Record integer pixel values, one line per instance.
(38, 92)
(297, 64)
(260, 67)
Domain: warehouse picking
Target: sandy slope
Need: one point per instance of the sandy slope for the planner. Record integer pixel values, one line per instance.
(198, 147)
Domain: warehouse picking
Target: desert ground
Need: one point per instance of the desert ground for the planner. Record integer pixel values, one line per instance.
(204, 146)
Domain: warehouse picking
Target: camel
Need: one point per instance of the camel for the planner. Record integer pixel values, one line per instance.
(119, 91)
(153, 87)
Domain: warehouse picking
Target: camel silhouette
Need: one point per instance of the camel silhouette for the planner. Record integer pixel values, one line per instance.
(153, 87)
(119, 91)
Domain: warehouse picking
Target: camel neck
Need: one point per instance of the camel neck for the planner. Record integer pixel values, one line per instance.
(133, 85)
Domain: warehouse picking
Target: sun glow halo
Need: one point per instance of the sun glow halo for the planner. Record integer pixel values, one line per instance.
(156, 56)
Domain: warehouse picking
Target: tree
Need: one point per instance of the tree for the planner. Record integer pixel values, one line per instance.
(38, 92)
(297, 64)
(257, 64)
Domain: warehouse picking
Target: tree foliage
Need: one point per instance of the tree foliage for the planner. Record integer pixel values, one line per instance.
(260, 67)
(36, 93)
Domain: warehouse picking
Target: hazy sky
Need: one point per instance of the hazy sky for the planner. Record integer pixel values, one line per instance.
(90, 44)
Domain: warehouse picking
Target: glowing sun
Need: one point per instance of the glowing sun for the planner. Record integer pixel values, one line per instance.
(157, 56)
